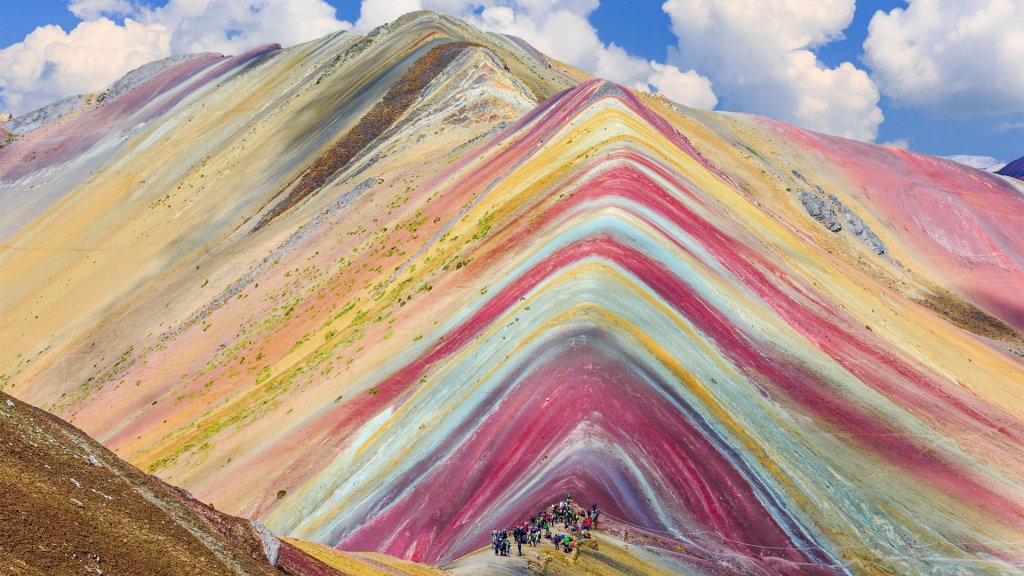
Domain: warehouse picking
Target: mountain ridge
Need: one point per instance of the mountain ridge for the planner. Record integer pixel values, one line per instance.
(501, 295)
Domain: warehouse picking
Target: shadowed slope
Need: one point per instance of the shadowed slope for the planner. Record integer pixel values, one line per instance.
(399, 97)
(1014, 169)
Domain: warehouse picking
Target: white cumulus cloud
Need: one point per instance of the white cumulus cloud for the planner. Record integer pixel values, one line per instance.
(684, 87)
(899, 144)
(758, 54)
(374, 13)
(94, 9)
(233, 26)
(51, 64)
(950, 57)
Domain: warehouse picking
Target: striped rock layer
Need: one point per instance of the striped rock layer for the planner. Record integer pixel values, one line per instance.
(387, 293)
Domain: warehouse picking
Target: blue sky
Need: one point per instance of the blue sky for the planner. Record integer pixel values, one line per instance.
(645, 32)
(643, 29)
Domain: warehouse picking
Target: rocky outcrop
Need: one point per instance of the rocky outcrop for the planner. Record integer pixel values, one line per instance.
(271, 543)
(832, 214)
(821, 210)
(129, 81)
(52, 112)
(857, 227)
(46, 115)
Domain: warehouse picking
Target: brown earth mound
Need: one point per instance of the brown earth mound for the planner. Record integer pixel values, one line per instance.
(70, 506)
(971, 318)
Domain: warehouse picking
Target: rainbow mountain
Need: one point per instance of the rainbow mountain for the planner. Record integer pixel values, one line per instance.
(389, 292)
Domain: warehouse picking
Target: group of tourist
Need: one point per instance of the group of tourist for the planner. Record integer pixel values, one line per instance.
(576, 521)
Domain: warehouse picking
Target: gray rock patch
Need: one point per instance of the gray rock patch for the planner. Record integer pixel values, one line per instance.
(57, 110)
(833, 214)
(858, 228)
(821, 210)
(45, 115)
(270, 541)
(129, 81)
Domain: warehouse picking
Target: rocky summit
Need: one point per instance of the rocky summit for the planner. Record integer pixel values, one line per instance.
(352, 306)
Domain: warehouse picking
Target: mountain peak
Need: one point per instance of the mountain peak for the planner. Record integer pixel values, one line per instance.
(391, 292)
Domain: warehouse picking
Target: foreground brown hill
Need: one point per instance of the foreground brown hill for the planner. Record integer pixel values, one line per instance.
(70, 506)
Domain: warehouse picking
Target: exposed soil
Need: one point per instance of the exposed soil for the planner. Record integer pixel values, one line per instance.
(70, 506)
(399, 97)
(970, 317)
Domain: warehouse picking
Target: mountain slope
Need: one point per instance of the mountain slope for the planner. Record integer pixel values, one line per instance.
(389, 292)
(71, 506)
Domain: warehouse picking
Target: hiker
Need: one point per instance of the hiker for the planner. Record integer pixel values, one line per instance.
(576, 521)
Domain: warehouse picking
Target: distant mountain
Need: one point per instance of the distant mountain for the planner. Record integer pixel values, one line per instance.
(390, 292)
(986, 163)
(1014, 169)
